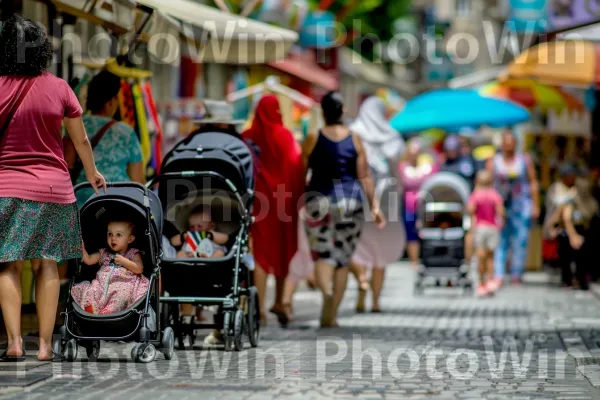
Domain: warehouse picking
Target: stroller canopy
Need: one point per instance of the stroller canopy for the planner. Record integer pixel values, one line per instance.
(445, 187)
(215, 151)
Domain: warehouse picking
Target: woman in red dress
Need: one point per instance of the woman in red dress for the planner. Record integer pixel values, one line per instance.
(278, 188)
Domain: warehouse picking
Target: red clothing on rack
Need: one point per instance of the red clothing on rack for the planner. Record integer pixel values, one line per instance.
(279, 186)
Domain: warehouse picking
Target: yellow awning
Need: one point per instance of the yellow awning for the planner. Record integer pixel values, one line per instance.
(232, 39)
(557, 63)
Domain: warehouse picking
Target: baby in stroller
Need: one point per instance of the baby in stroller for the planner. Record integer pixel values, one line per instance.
(119, 283)
(201, 239)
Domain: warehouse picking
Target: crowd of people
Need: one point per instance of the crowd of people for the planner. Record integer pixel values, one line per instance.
(342, 175)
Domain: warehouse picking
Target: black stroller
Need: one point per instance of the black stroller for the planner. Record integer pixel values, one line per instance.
(442, 226)
(212, 166)
(139, 323)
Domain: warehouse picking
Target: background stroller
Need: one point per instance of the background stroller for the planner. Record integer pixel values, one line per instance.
(212, 166)
(442, 224)
(140, 322)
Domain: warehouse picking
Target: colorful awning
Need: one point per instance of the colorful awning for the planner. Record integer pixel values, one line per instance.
(231, 39)
(531, 94)
(306, 71)
(573, 63)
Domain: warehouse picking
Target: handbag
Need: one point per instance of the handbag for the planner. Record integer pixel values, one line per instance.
(76, 170)
(15, 106)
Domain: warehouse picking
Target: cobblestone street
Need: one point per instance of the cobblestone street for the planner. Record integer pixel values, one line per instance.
(528, 342)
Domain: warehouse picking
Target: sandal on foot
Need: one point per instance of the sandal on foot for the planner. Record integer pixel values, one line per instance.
(5, 357)
(282, 316)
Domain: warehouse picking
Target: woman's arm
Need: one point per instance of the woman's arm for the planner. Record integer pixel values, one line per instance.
(135, 171)
(575, 238)
(70, 152)
(364, 174)
(134, 265)
(81, 142)
(535, 192)
(307, 147)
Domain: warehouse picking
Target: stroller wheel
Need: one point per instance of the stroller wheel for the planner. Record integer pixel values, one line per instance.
(168, 343)
(227, 330)
(143, 352)
(70, 350)
(253, 317)
(238, 330)
(93, 350)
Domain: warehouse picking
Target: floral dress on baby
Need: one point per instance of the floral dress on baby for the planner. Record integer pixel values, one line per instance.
(115, 288)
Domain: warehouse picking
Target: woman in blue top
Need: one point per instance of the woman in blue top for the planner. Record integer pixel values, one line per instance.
(118, 154)
(334, 202)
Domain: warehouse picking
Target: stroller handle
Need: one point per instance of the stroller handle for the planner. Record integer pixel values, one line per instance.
(84, 185)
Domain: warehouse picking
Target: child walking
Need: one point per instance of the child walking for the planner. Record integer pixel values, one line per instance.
(486, 208)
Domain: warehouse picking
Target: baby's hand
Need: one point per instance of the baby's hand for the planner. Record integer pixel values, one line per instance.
(119, 259)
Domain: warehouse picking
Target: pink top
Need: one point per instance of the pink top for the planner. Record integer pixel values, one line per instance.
(485, 202)
(412, 178)
(32, 164)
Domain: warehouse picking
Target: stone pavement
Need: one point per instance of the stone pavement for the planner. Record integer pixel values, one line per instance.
(529, 342)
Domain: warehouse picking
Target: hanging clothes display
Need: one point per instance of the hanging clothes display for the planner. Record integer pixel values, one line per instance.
(126, 106)
(140, 115)
(151, 167)
(158, 138)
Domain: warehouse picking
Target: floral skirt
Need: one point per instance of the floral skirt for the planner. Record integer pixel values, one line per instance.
(37, 230)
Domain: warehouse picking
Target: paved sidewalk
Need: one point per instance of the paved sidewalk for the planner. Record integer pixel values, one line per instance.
(528, 342)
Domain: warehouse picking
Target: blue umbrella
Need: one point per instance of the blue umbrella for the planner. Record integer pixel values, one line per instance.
(455, 109)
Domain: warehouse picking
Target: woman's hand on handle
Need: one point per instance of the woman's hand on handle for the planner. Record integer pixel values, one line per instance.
(96, 180)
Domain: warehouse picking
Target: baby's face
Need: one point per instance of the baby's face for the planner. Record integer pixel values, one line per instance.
(200, 222)
(119, 236)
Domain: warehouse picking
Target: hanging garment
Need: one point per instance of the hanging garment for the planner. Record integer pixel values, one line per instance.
(126, 106)
(151, 168)
(158, 141)
(142, 123)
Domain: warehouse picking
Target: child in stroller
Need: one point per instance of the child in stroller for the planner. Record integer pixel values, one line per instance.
(119, 283)
(201, 238)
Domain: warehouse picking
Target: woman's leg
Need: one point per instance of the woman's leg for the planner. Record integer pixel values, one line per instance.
(377, 278)
(279, 308)
(582, 260)
(413, 253)
(565, 254)
(47, 286)
(519, 246)
(289, 288)
(10, 301)
(260, 281)
(324, 273)
(501, 250)
(360, 274)
(339, 288)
